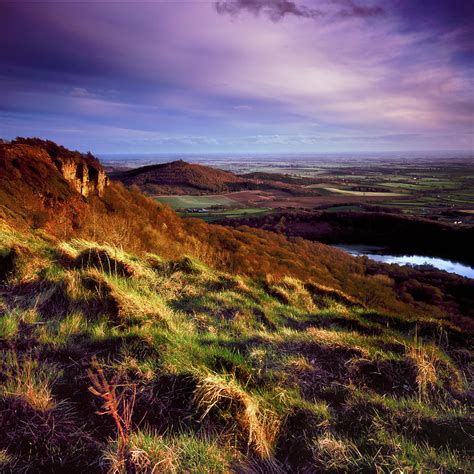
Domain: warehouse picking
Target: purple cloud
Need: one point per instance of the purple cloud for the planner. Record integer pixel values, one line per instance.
(278, 9)
(274, 9)
(183, 74)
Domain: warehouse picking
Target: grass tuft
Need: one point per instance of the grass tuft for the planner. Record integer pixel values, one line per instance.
(28, 380)
(260, 424)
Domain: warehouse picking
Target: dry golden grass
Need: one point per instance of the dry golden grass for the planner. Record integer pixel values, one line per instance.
(333, 454)
(145, 462)
(260, 424)
(27, 380)
(5, 458)
(424, 359)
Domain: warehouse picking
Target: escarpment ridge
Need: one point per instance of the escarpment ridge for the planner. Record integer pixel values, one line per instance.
(83, 172)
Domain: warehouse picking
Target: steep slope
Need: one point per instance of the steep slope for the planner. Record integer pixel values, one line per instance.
(208, 349)
(203, 371)
(39, 180)
(83, 172)
(36, 195)
(179, 177)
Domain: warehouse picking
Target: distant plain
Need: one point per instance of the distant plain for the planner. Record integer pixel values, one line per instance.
(435, 186)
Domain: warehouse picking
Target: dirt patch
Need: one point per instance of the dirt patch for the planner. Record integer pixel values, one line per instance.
(57, 302)
(167, 403)
(387, 377)
(10, 261)
(395, 347)
(326, 367)
(54, 300)
(7, 265)
(104, 261)
(105, 301)
(349, 324)
(456, 433)
(356, 417)
(389, 321)
(49, 299)
(57, 441)
(292, 448)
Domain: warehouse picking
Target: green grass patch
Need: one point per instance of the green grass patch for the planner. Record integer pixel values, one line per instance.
(227, 213)
(198, 202)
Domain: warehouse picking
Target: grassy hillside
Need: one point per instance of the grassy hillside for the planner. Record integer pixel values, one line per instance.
(179, 177)
(132, 340)
(33, 194)
(116, 362)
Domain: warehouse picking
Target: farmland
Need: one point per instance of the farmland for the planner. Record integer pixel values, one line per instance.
(363, 193)
(210, 215)
(190, 202)
(440, 188)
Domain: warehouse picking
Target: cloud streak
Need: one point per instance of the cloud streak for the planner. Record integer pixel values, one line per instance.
(276, 10)
(126, 71)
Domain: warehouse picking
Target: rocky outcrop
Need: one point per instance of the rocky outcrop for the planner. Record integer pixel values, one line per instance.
(85, 177)
(83, 172)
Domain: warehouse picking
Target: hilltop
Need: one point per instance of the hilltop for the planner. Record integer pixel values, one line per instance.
(210, 349)
(179, 177)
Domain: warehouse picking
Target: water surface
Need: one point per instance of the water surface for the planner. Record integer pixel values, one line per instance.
(377, 254)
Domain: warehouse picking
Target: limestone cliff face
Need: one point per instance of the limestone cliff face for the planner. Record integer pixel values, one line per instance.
(24, 157)
(84, 176)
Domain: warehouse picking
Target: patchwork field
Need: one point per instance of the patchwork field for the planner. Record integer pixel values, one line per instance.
(219, 214)
(436, 188)
(191, 202)
(363, 193)
(440, 189)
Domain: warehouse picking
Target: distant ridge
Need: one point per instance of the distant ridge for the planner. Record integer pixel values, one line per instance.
(180, 177)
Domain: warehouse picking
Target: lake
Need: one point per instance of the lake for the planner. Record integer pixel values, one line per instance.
(378, 254)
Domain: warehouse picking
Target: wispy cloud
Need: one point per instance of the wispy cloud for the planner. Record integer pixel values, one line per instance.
(210, 76)
(278, 9)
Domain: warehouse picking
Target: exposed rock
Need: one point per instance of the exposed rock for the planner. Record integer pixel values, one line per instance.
(84, 173)
(84, 178)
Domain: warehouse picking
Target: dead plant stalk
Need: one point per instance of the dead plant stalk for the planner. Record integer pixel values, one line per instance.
(118, 405)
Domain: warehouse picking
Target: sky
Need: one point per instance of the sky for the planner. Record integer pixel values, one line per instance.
(239, 76)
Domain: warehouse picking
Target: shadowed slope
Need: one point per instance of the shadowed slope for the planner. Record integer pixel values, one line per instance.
(222, 373)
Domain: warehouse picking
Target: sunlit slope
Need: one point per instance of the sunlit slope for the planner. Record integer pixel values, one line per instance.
(227, 373)
(35, 195)
(132, 340)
